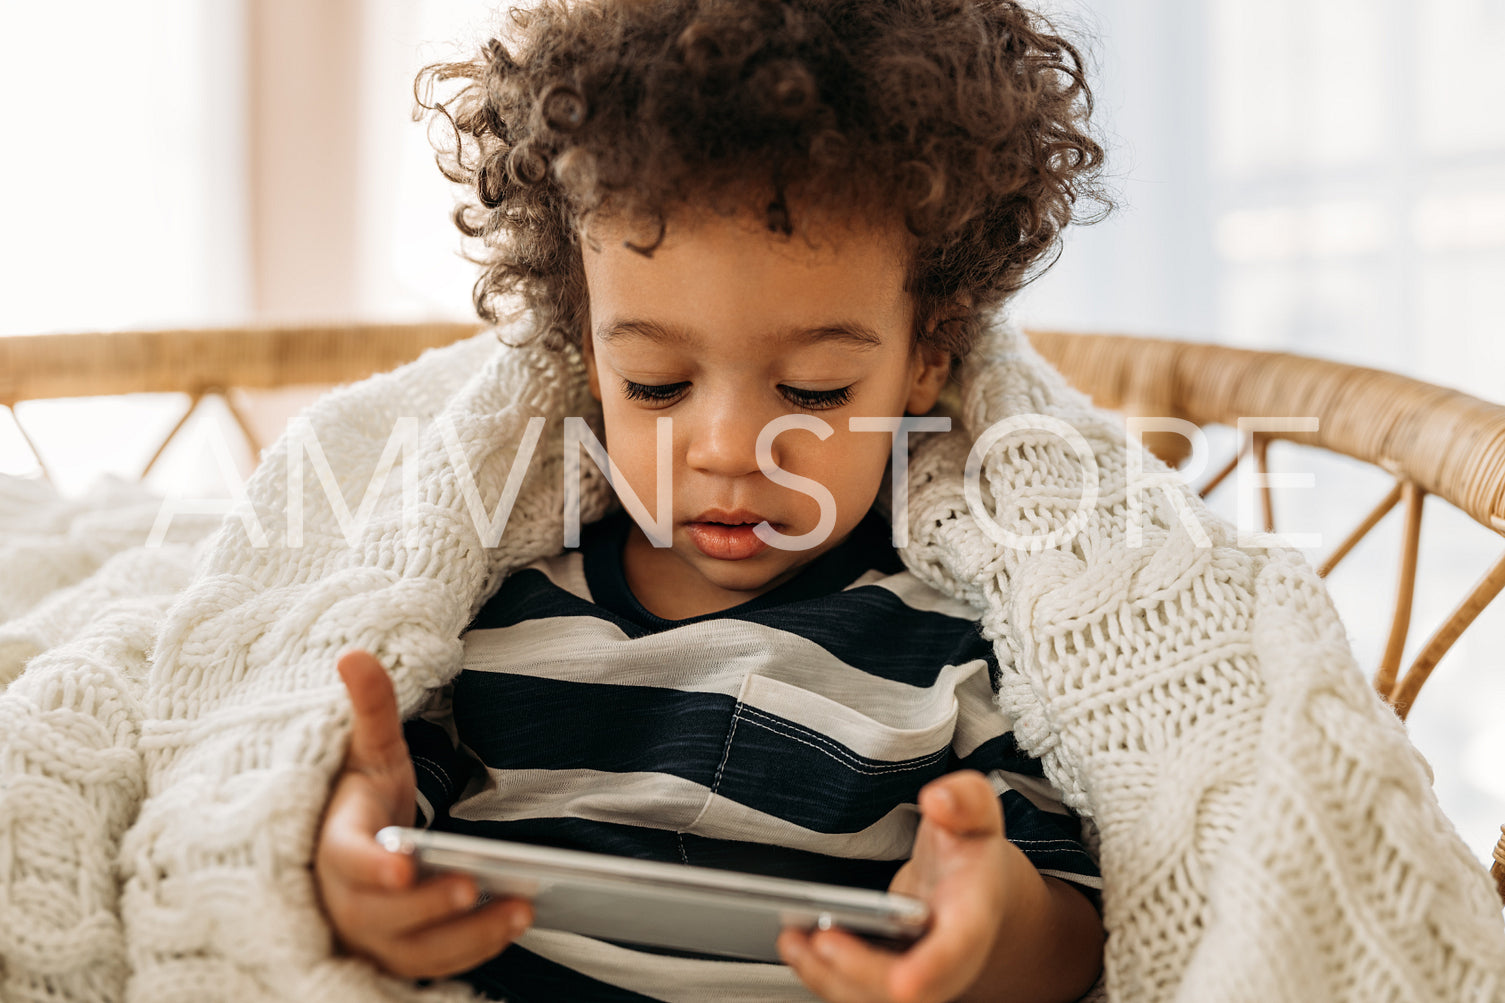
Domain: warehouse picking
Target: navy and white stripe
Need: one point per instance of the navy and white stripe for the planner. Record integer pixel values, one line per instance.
(789, 735)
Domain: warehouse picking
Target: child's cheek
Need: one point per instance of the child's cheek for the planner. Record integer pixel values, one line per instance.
(631, 441)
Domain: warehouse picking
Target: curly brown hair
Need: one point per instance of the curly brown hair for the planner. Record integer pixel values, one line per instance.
(970, 118)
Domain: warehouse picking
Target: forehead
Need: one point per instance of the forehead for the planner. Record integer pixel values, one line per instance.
(837, 280)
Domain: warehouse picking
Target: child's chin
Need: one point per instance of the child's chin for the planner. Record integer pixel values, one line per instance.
(753, 575)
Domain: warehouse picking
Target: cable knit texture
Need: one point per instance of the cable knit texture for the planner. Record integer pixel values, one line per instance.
(171, 717)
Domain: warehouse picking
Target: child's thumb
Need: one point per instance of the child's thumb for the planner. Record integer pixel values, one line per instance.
(964, 803)
(376, 740)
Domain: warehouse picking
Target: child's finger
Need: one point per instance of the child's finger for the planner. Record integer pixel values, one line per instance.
(840, 976)
(451, 947)
(389, 914)
(348, 849)
(962, 925)
(963, 802)
(376, 741)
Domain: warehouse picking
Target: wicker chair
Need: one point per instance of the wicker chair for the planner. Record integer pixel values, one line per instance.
(1432, 440)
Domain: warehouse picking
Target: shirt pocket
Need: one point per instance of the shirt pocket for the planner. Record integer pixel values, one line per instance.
(806, 771)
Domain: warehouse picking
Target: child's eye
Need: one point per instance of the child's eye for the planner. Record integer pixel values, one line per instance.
(817, 400)
(661, 393)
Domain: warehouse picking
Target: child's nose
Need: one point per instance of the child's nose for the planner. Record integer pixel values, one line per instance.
(723, 441)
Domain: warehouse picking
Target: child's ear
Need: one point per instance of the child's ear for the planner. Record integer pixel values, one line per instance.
(588, 353)
(932, 369)
(932, 364)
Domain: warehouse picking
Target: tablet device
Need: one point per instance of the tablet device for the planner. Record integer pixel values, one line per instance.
(698, 909)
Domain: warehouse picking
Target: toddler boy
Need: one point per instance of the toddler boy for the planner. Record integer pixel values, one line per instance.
(769, 223)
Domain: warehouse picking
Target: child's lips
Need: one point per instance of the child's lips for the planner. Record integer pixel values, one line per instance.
(727, 536)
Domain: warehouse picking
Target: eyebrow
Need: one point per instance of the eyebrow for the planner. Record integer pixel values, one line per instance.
(857, 335)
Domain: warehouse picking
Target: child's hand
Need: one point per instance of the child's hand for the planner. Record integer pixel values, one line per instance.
(961, 867)
(427, 930)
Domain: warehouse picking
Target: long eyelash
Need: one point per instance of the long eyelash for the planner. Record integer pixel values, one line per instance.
(817, 400)
(653, 393)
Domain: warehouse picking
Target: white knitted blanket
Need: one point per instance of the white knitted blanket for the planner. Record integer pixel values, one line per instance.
(171, 718)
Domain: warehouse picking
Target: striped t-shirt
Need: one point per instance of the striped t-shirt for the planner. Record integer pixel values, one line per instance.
(789, 735)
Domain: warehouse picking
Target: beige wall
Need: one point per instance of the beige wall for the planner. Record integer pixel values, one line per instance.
(304, 68)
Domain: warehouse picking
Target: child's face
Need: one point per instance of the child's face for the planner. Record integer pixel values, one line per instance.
(726, 328)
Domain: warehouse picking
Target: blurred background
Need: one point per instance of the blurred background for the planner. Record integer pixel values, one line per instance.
(1318, 176)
